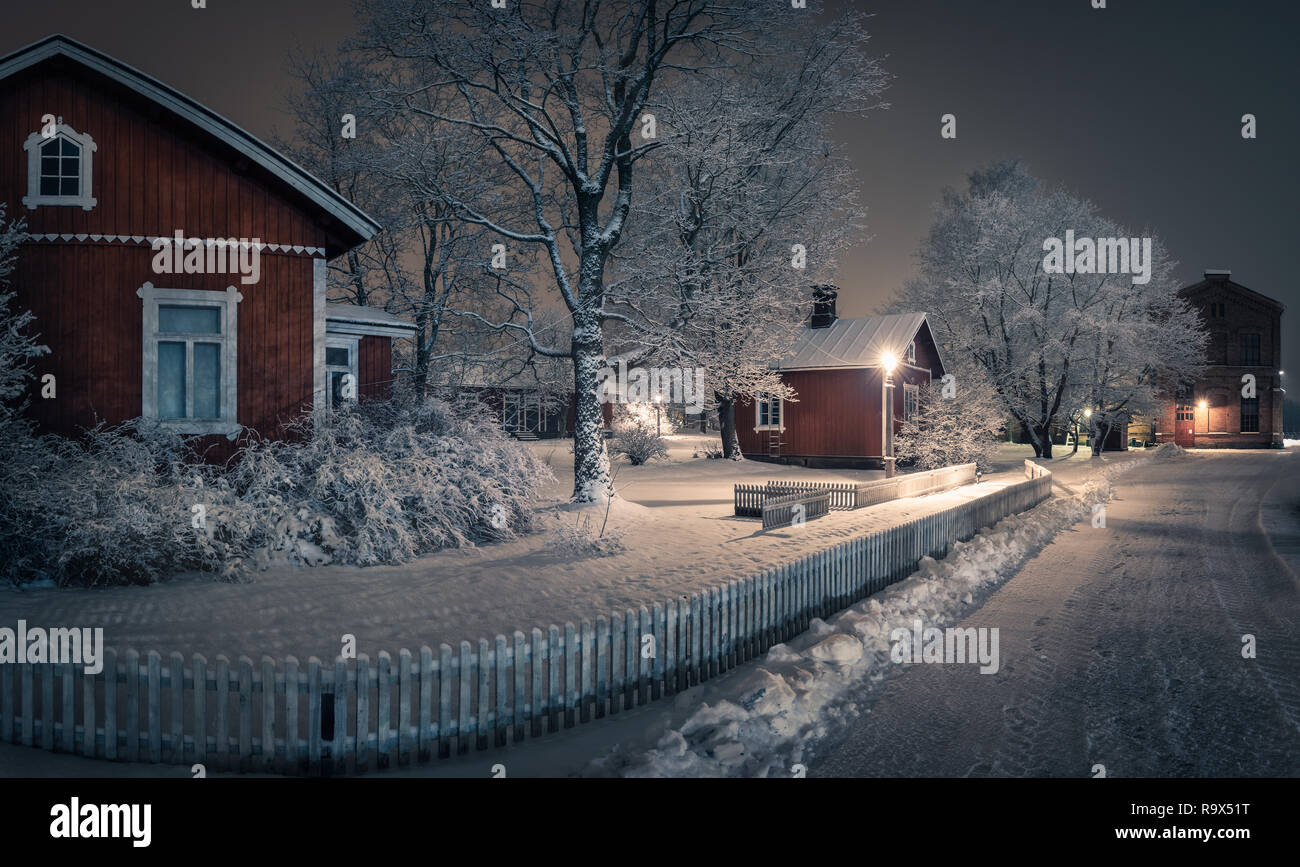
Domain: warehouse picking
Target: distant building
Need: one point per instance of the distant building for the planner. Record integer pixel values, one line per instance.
(836, 371)
(1215, 410)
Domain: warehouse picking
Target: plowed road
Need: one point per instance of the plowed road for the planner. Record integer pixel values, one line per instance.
(1122, 646)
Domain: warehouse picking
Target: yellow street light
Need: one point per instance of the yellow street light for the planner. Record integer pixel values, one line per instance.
(889, 361)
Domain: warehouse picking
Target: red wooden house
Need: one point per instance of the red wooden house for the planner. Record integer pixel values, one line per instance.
(114, 172)
(837, 372)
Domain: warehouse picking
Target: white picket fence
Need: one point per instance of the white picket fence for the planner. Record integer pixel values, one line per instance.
(351, 716)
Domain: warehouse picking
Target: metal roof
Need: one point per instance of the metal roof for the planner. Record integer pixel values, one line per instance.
(361, 225)
(366, 317)
(853, 342)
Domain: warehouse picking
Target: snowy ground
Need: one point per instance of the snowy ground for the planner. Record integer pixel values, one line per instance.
(1119, 646)
(677, 525)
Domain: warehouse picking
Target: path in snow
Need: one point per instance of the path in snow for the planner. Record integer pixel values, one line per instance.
(1120, 646)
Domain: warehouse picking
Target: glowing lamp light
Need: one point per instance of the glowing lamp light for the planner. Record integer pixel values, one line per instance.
(1201, 404)
(1087, 413)
(889, 361)
(659, 398)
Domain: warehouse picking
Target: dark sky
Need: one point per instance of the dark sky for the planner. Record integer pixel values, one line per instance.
(1136, 107)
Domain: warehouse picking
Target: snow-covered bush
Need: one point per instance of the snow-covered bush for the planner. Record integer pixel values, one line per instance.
(586, 538)
(376, 484)
(382, 483)
(961, 429)
(638, 443)
(709, 451)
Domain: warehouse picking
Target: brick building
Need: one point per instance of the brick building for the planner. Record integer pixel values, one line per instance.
(1214, 411)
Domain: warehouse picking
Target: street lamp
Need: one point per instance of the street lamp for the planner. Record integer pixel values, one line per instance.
(659, 399)
(889, 361)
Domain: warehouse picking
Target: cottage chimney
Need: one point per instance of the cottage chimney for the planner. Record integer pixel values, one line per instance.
(1217, 274)
(823, 307)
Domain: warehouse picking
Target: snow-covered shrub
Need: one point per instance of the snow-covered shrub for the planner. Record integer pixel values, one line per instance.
(378, 484)
(383, 483)
(709, 451)
(961, 429)
(639, 444)
(587, 538)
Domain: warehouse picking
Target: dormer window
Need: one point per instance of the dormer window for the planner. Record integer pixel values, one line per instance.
(911, 352)
(59, 163)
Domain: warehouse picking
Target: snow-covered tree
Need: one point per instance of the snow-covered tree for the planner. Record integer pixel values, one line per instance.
(1042, 338)
(958, 422)
(556, 94)
(747, 172)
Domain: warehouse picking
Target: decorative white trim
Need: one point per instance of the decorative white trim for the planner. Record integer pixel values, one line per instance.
(758, 415)
(262, 246)
(319, 271)
(85, 168)
(228, 300)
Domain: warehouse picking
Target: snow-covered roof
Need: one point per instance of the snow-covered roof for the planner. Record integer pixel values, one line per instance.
(349, 318)
(361, 227)
(858, 342)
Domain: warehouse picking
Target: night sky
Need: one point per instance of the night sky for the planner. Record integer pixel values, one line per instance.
(1136, 107)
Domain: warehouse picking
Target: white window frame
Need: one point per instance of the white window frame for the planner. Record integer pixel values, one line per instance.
(352, 345)
(227, 301)
(913, 392)
(758, 414)
(83, 140)
(911, 352)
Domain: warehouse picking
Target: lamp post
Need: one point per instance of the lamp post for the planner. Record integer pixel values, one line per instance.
(659, 399)
(889, 361)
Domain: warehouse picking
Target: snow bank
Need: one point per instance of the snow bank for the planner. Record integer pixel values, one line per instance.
(762, 721)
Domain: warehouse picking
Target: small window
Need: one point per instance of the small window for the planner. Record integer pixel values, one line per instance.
(1250, 415)
(911, 352)
(340, 372)
(59, 167)
(911, 401)
(769, 415)
(1250, 350)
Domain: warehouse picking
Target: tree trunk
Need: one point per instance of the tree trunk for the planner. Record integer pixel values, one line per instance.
(1044, 436)
(1075, 450)
(1099, 439)
(590, 459)
(727, 421)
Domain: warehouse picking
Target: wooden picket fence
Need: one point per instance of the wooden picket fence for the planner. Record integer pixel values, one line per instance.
(748, 499)
(780, 511)
(352, 716)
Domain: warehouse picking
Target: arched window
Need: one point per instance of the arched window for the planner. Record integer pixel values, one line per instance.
(59, 163)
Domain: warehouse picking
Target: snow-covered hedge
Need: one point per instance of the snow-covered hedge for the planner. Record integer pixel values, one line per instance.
(376, 484)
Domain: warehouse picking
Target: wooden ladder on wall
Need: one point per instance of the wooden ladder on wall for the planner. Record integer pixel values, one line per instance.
(774, 444)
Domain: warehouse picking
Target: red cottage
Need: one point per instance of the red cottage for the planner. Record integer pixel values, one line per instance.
(836, 370)
(175, 264)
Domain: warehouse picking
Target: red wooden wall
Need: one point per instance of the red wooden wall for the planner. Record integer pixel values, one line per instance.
(152, 176)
